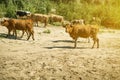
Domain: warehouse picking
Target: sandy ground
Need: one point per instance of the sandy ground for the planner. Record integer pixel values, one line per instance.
(52, 57)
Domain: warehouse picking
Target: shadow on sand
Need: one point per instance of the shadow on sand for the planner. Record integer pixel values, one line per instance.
(68, 41)
(2, 35)
(67, 47)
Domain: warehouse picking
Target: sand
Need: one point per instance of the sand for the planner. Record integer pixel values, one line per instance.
(52, 56)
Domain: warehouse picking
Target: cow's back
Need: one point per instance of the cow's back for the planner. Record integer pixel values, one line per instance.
(22, 24)
(82, 31)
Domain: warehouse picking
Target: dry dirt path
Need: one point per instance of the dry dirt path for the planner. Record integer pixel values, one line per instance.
(52, 57)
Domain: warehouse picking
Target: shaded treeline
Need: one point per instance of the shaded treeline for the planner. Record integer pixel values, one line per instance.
(106, 12)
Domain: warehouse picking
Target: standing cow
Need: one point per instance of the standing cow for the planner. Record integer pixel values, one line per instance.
(56, 18)
(84, 31)
(18, 24)
(78, 21)
(39, 17)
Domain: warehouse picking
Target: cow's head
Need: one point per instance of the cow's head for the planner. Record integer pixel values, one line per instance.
(68, 27)
(5, 22)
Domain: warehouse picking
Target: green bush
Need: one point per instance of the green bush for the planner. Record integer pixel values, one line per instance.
(47, 31)
(10, 10)
(2, 8)
(106, 11)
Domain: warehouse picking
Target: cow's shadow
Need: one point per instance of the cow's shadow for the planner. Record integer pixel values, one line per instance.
(66, 47)
(68, 41)
(62, 47)
(3, 35)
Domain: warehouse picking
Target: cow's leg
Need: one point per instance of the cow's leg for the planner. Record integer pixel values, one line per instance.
(31, 32)
(29, 36)
(94, 43)
(45, 25)
(89, 40)
(97, 43)
(75, 45)
(8, 33)
(62, 23)
(22, 33)
(94, 40)
(27, 33)
(37, 23)
(33, 35)
(15, 33)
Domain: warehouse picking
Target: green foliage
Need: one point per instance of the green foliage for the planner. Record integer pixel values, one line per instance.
(106, 12)
(41, 6)
(2, 8)
(47, 31)
(10, 10)
(57, 24)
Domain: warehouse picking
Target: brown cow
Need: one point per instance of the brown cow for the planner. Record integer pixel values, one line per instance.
(7, 23)
(40, 17)
(17, 24)
(80, 21)
(56, 18)
(84, 31)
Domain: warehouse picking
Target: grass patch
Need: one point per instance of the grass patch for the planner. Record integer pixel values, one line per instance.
(107, 31)
(47, 31)
(39, 33)
(57, 24)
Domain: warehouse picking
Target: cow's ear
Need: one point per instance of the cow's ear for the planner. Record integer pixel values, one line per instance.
(5, 20)
(71, 25)
(63, 25)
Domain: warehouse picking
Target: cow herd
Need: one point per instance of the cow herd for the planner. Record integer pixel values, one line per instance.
(43, 18)
(75, 28)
